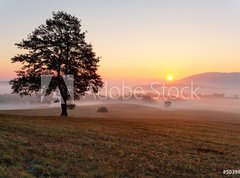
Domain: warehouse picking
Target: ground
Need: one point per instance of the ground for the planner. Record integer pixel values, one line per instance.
(129, 141)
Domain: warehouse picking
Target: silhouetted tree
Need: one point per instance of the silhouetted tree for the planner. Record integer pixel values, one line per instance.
(57, 48)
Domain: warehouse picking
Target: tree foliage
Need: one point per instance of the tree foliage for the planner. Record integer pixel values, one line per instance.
(57, 48)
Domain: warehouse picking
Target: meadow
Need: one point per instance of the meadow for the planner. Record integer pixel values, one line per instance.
(128, 141)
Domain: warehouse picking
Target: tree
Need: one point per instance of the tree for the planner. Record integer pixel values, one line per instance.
(57, 48)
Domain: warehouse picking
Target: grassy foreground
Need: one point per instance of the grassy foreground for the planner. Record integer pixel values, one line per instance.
(53, 147)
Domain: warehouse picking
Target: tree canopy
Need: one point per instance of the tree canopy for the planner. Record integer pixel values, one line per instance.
(57, 48)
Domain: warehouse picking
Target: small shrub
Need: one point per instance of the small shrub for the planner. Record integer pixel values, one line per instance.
(71, 106)
(56, 101)
(167, 104)
(102, 109)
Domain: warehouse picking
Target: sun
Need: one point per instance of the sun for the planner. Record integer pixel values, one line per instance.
(170, 78)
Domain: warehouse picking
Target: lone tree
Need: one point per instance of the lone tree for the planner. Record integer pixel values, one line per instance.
(57, 48)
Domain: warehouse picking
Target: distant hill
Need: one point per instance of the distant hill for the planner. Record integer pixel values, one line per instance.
(4, 82)
(211, 83)
(214, 80)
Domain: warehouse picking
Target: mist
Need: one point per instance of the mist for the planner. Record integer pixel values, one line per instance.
(226, 101)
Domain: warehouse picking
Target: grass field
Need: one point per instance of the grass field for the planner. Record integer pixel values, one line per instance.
(129, 141)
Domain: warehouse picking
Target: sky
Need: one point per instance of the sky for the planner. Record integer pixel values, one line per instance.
(138, 40)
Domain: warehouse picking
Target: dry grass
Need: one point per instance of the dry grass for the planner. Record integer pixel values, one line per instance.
(177, 143)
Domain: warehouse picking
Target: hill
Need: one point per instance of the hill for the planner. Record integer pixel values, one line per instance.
(214, 80)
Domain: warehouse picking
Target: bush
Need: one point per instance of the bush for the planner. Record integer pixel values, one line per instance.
(167, 104)
(71, 106)
(102, 109)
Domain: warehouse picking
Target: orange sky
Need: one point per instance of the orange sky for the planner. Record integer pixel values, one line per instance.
(138, 40)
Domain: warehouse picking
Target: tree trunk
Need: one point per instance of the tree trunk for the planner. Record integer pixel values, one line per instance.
(64, 105)
(63, 90)
(64, 109)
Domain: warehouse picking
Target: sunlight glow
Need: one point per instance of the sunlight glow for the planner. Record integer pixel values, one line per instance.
(169, 78)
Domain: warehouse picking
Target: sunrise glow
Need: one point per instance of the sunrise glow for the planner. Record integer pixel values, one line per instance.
(170, 78)
(168, 41)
